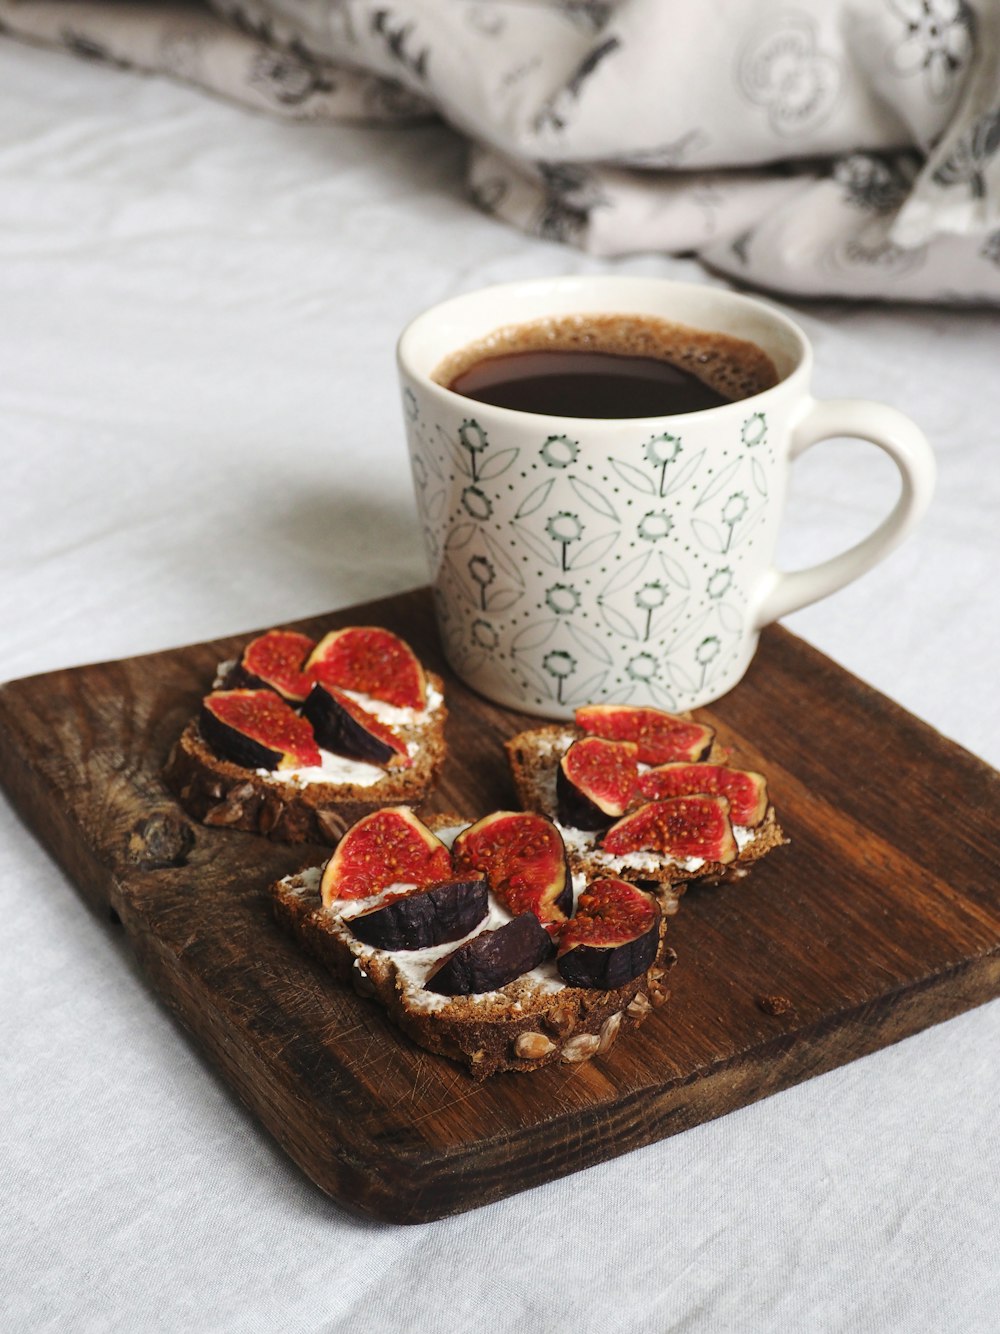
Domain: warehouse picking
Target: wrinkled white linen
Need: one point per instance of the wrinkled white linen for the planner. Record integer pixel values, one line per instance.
(841, 147)
(201, 434)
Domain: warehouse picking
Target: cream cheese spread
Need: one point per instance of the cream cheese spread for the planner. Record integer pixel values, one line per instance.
(342, 770)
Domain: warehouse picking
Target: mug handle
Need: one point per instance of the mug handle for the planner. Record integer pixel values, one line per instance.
(908, 448)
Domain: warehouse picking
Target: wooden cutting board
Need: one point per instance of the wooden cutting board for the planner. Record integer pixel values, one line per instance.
(881, 917)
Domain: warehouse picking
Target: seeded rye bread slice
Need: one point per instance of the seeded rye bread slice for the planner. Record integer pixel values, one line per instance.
(533, 1021)
(534, 758)
(221, 793)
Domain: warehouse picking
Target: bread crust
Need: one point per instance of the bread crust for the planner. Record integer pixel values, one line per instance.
(519, 1027)
(225, 795)
(534, 758)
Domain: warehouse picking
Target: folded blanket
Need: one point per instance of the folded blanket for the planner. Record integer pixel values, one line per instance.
(840, 147)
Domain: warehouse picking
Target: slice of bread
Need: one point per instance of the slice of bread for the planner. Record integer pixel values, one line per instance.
(304, 806)
(534, 758)
(533, 1021)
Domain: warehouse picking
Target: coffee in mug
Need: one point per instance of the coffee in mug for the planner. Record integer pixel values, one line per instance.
(607, 366)
(581, 553)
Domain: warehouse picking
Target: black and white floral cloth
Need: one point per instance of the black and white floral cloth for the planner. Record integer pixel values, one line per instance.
(843, 147)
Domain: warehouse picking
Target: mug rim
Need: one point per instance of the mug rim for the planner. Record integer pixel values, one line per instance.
(800, 370)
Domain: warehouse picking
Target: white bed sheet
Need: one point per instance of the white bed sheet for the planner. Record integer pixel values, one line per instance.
(200, 434)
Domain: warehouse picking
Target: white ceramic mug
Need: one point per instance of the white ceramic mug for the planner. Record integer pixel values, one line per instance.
(578, 560)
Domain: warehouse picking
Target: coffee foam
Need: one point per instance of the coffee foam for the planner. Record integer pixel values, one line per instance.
(731, 366)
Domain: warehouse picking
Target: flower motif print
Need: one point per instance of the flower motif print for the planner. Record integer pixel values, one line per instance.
(559, 451)
(706, 653)
(559, 664)
(563, 599)
(564, 528)
(661, 451)
(873, 184)
(938, 42)
(650, 598)
(719, 583)
(482, 572)
(484, 635)
(783, 71)
(643, 667)
(655, 525)
(476, 503)
(733, 511)
(754, 430)
(966, 163)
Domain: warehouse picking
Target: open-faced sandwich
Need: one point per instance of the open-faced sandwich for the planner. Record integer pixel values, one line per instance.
(644, 795)
(477, 938)
(297, 739)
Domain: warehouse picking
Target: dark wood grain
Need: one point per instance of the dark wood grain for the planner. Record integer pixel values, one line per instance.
(881, 917)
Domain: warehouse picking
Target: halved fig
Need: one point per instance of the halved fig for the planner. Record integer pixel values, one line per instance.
(612, 938)
(659, 736)
(524, 858)
(343, 726)
(371, 660)
(275, 660)
(678, 827)
(595, 782)
(746, 790)
(493, 958)
(257, 729)
(388, 847)
(424, 917)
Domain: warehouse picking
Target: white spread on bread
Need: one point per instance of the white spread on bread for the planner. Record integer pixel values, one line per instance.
(584, 843)
(340, 769)
(413, 966)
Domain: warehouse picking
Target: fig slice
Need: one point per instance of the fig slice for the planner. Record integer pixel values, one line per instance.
(258, 730)
(678, 827)
(659, 736)
(595, 782)
(424, 917)
(493, 958)
(388, 847)
(523, 857)
(612, 938)
(373, 661)
(274, 660)
(343, 726)
(746, 790)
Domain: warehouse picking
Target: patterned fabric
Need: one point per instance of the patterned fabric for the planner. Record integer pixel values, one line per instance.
(845, 147)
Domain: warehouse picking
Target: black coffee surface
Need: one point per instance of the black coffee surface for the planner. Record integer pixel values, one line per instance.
(585, 384)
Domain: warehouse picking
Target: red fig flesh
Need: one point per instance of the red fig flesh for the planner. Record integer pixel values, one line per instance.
(424, 917)
(371, 660)
(257, 729)
(595, 782)
(493, 958)
(343, 726)
(659, 736)
(523, 857)
(612, 938)
(746, 791)
(388, 847)
(275, 660)
(679, 827)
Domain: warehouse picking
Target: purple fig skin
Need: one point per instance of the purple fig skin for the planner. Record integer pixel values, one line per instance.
(238, 678)
(231, 744)
(336, 730)
(493, 958)
(431, 916)
(605, 968)
(575, 810)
